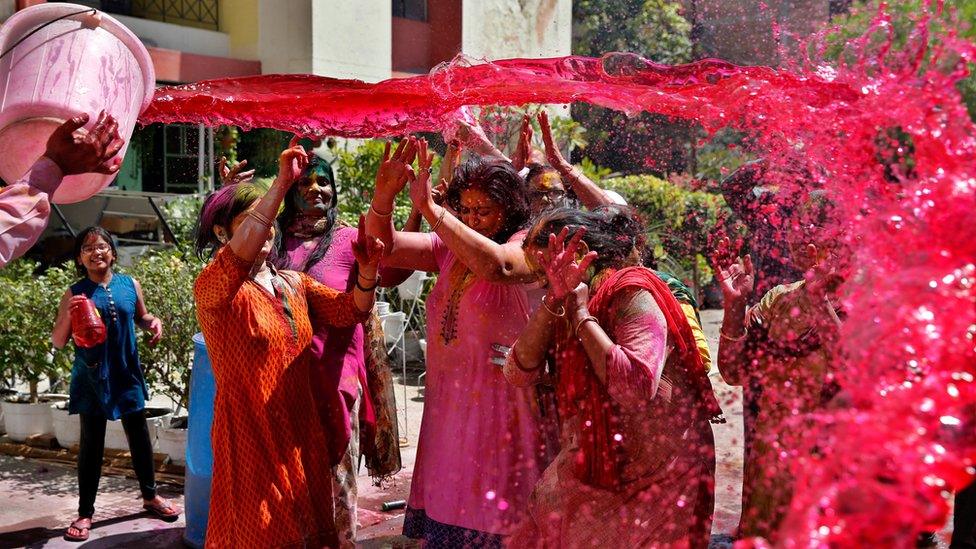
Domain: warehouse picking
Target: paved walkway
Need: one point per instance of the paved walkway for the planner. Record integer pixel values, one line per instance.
(39, 499)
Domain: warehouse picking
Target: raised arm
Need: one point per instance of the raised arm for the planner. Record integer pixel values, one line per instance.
(588, 192)
(219, 281)
(566, 291)
(252, 233)
(406, 250)
(473, 137)
(25, 205)
(486, 258)
(737, 282)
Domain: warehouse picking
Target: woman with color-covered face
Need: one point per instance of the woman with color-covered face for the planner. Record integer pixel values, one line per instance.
(636, 461)
(482, 441)
(781, 351)
(271, 484)
(106, 379)
(351, 376)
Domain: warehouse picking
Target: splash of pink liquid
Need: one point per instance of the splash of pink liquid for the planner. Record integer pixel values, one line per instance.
(873, 474)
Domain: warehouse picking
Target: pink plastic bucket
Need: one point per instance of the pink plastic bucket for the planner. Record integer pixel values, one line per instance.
(81, 64)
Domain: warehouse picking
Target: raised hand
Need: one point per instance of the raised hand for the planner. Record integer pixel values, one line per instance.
(367, 249)
(563, 271)
(737, 279)
(78, 152)
(396, 169)
(553, 156)
(420, 189)
(452, 157)
(473, 137)
(291, 162)
(523, 151)
(234, 175)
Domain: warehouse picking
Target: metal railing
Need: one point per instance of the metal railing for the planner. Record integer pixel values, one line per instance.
(202, 14)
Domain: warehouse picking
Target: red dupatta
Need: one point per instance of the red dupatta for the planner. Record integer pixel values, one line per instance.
(579, 392)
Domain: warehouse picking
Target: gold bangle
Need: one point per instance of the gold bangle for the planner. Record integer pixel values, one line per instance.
(440, 219)
(745, 332)
(587, 318)
(377, 213)
(259, 217)
(561, 313)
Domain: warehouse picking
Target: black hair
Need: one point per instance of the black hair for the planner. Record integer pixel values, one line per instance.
(613, 232)
(219, 210)
(501, 182)
(279, 256)
(80, 243)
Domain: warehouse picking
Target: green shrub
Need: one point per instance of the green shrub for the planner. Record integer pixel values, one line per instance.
(356, 181)
(28, 307)
(679, 222)
(167, 277)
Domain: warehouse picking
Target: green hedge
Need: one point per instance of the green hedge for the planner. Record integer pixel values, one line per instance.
(679, 222)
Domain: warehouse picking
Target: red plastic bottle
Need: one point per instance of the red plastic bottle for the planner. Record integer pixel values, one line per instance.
(87, 327)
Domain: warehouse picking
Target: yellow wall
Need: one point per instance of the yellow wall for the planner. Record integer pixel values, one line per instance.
(239, 19)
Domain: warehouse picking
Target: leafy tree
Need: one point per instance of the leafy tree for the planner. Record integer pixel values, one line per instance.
(958, 15)
(653, 29)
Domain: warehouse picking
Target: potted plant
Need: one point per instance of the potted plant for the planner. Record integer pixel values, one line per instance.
(167, 277)
(28, 307)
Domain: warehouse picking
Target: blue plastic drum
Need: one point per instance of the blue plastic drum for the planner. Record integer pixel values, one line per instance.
(199, 453)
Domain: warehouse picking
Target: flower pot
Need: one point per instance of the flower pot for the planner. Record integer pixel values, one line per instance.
(115, 438)
(412, 287)
(171, 439)
(393, 326)
(5, 393)
(67, 429)
(23, 419)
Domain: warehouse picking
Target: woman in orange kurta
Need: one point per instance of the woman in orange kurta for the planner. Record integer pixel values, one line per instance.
(271, 482)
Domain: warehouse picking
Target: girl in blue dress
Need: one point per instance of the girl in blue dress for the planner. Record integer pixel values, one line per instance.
(106, 380)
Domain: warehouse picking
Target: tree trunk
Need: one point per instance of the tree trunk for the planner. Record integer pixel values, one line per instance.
(33, 391)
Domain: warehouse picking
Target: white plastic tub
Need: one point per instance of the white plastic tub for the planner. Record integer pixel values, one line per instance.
(81, 64)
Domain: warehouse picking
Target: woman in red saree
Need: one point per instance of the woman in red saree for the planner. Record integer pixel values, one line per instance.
(636, 466)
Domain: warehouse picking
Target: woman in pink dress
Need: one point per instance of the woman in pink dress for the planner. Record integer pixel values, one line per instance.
(483, 442)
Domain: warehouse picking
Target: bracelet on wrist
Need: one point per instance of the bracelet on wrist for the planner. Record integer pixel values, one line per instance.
(587, 318)
(259, 217)
(378, 213)
(745, 332)
(367, 278)
(376, 282)
(440, 219)
(562, 309)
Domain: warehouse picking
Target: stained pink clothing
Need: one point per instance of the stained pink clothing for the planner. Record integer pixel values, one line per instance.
(339, 362)
(25, 208)
(483, 442)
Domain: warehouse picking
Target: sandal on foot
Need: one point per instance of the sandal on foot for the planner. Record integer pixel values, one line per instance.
(165, 511)
(83, 529)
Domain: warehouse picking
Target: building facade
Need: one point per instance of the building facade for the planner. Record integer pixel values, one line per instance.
(369, 40)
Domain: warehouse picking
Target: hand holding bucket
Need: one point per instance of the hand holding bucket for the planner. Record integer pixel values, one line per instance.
(60, 61)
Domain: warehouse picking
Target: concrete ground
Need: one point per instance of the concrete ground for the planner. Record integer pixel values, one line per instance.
(39, 499)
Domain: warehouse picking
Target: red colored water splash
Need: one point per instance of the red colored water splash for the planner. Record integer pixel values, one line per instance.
(710, 91)
(879, 471)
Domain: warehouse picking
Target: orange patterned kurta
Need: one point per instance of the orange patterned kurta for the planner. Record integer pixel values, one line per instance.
(271, 482)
